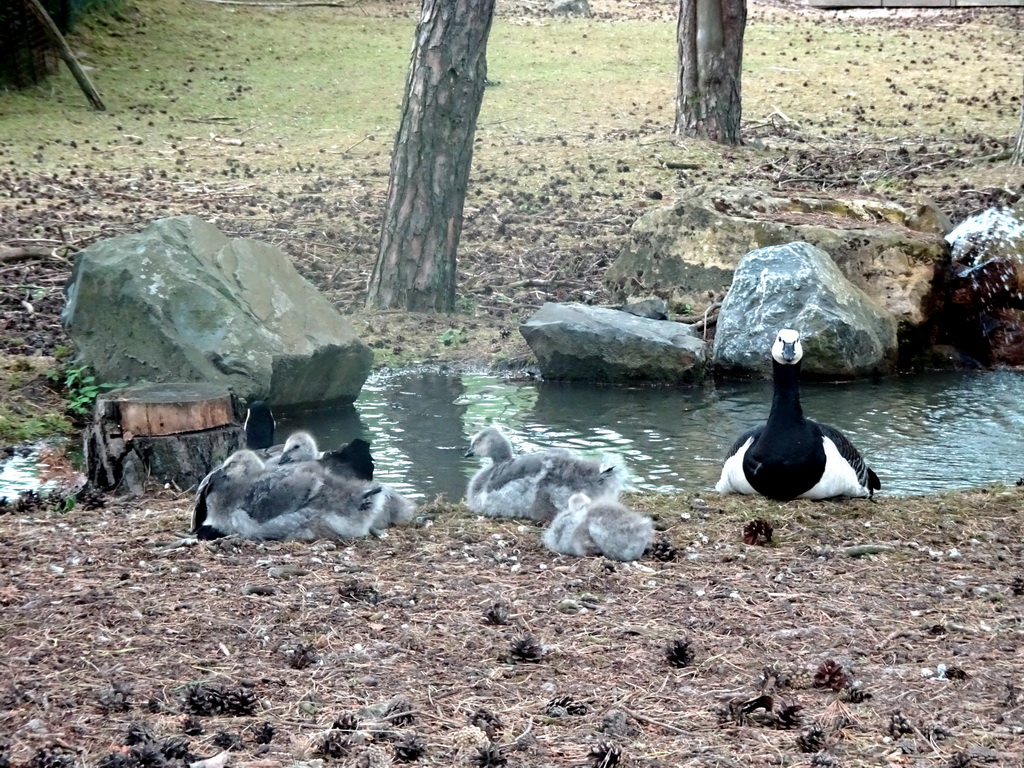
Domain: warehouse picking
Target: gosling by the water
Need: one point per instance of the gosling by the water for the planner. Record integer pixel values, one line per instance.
(599, 527)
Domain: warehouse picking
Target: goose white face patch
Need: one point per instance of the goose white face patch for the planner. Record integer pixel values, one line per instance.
(787, 349)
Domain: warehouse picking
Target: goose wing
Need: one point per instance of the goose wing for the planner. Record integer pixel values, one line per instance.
(753, 432)
(865, 474)
(284, 490)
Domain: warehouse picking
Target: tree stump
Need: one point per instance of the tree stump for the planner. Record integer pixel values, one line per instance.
(174, 432)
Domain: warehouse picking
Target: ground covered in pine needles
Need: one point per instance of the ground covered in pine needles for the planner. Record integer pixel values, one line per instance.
(753, 633)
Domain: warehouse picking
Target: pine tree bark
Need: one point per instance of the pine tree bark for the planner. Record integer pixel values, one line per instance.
(709, 35)
(416, 261)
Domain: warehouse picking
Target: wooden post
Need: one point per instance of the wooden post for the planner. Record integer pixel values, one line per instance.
(175, 433)
(64, 51)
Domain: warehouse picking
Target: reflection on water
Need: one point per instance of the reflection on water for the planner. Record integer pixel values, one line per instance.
(921, 434)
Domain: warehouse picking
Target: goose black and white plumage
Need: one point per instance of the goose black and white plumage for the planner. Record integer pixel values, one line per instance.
(533, 485)
(600, 527)
(259, 426)
(790, 456)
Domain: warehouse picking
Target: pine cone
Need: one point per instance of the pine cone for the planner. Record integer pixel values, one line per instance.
(28, 502)
(497, 613)
(146, 756)
(90, 498)
(526, 648)
(1016, 588)
(334, 744)
(831, 675)
(758, 532)
(117, 698)
(51, 757)
(302, 656)
(410, 747)
(5, 508)
(854, 694)
(488, 722)
(138, 733)
(360, 592)
(788, 715)
(604, 754)
(565, 705)
(110, 760)
(812, 740)
(192, 726)
(680, 653)
(960, 760)
(5, 749)
(346, 722)
(824, 760)
(899, 725)
(176, 748)
(663, 550)
(263, 733)
(240, 702)
(490, 756)
(400, 711)
(227, 740)
(956, 673)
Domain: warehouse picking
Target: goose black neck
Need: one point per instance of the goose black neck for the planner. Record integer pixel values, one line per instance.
(786, 398)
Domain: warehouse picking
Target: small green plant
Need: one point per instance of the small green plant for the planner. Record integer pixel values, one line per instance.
(81, 388)
(452, 337)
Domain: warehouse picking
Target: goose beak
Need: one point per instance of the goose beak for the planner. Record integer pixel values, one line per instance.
(789, 351)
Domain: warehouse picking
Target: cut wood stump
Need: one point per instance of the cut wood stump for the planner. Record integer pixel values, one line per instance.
(175, 433)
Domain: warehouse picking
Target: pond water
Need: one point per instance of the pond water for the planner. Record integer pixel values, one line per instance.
(921, 434)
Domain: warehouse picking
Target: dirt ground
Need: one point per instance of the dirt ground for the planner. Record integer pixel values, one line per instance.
(860, 634)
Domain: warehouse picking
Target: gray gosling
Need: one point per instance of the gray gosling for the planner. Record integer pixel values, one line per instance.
(221, 492)
(533, 485)
(599, 527)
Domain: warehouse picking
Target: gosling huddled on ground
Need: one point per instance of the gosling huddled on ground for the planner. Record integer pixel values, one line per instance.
(599, 527)
(537, 485)
(790, 456)
(295, 494)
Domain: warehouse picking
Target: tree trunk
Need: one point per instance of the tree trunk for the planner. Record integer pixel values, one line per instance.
(415, 268)
(1017, 158)
(710, 39)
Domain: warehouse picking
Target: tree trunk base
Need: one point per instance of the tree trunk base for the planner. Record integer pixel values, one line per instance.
(172, 433)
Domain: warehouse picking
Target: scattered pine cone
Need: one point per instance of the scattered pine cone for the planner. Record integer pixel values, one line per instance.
(346, 722)
(51, 757)
(302, 656)
(360, 592)
(604, 754)
(117, 698)
(899, 725)
(410, 748)
(138, 733)
(334, 744)
(562, 706)
(824, 760)
(497, 613)
(812, 740)
(400, 711)
(526, 648)
(5, 507)
(146, 755)
(490, 756)
(263, 733)
(680, 653)
(29, 502)
(5, 749)
(758, 532)
(176, 748)
(1016, 588)
(854, 694)
(788, 716)
(488, 722)
(956, 673)
(229, 741)
(110, 760)
(831, 675)
(960, 760)
(90, 498)
(663, 550)
(192, 726)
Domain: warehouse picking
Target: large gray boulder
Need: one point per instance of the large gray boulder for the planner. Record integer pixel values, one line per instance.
(691, 247)
(180, 301)
(576, 342)
(845, 333)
